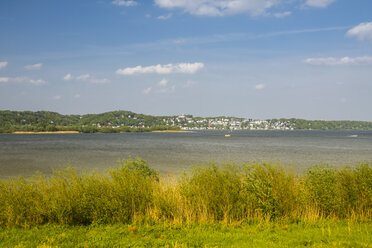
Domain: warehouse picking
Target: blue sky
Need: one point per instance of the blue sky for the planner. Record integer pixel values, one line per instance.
(260, 59)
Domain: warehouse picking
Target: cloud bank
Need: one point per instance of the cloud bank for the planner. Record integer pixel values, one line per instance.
(125, 3)
(331, 61)
(4, 79)
(86, 78)
(34, 66)
(319, 3)
(219, 7)
(36, 82)
(259, 86)
(187, 68)
(160, 87)
(3, 64)
(362, 32)
(233, 7)
(282, 14)
(164, 17)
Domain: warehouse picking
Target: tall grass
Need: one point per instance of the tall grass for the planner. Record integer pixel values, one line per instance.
(226, 193)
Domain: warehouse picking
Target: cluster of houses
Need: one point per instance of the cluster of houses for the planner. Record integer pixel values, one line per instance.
(188, 122)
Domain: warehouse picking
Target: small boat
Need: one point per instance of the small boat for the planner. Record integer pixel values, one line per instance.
(227, 135)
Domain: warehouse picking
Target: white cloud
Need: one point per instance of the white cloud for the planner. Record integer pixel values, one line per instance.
(319, 3)
(163, 83)
(34, 66)
(189, 68)
(4, 79)
(86, 78)
(19, 79)
(148, 16)
(77, 95)
(68, 77)
(259, 86)
(83, 77)
(100, 81)
(147, 91)
(282, 14)
(166, 90)
(3, 64)
(57, 97)
(125, 3)
(37, 82)
(189, 84)
(331, 61)
(362, 32)
(233, 7)
(220, 7)
(229, 37)
(160, 88)
(164, 17)
(22, 80)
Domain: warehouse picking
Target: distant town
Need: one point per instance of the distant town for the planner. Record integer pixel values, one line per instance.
(127, 121)
(189, 122)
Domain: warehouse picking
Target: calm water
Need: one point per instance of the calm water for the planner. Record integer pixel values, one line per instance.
(172, 152)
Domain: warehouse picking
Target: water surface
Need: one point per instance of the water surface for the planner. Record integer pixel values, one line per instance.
(24, 154)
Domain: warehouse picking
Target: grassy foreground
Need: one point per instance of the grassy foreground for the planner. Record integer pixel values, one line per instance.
(252, 205)
(324, 233)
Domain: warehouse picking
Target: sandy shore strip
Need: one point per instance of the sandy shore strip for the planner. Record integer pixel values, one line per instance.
(170, 131)
(56, 132)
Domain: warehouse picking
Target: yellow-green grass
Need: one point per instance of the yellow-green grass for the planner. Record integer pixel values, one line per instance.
(226, 194)
(322, 233)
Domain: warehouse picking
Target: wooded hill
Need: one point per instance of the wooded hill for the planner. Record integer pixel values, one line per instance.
(125, 121)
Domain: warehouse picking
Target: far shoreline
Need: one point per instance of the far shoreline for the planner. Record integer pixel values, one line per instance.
(170, 131)
(53, 132)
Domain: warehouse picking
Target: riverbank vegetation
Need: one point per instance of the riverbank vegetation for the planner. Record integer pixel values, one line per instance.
(109, 122)
(131, 205)
(43, 128)
(134, 192)
(127, 121)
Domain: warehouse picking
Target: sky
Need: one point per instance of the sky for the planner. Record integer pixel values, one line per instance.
(257, 59)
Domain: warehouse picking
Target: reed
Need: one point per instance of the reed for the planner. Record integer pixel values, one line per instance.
(229, 193)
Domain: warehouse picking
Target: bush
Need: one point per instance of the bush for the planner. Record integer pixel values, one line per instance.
(213, 193)
(363, 189)
(271, 190)
(135, 192)
(321, 182)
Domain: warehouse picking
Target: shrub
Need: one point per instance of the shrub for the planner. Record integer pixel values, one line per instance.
(134, 191)
(363, 180)
(321, 181)
(213, 193)
(271, 190)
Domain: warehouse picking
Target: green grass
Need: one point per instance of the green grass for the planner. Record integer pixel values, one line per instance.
(229, 193)
(326, 233)
(249, 205)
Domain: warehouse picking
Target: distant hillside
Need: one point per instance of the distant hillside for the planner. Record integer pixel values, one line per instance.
(114, 118)
(126, 121)
(115, 121)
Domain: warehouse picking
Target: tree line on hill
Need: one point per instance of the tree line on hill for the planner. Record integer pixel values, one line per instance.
(109, 122)
(127, 121)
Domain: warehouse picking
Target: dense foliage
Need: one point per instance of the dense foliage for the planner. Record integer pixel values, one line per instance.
(126, 121)
(109, 122)
(325, 125)
(208, 194)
